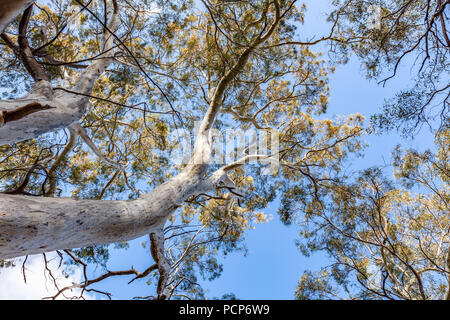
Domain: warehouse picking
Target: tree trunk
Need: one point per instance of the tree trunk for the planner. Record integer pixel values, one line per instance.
(10, 9)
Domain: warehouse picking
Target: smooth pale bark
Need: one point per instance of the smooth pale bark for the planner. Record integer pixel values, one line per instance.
(31, 225)
(10, 9)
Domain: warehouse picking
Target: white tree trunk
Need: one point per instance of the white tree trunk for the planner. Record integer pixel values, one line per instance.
(39, 112)
(31, 225)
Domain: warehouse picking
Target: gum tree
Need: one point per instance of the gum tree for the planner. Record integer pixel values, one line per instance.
(385, 239)
(94, 90)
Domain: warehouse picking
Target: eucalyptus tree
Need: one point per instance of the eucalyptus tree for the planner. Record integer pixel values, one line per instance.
(93, 92)
(385, 239)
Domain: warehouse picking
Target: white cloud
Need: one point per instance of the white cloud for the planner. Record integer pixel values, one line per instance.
(38, 285)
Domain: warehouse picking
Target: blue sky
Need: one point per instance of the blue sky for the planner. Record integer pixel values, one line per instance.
(273, 264)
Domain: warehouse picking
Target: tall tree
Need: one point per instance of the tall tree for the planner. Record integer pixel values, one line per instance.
(385, 240)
